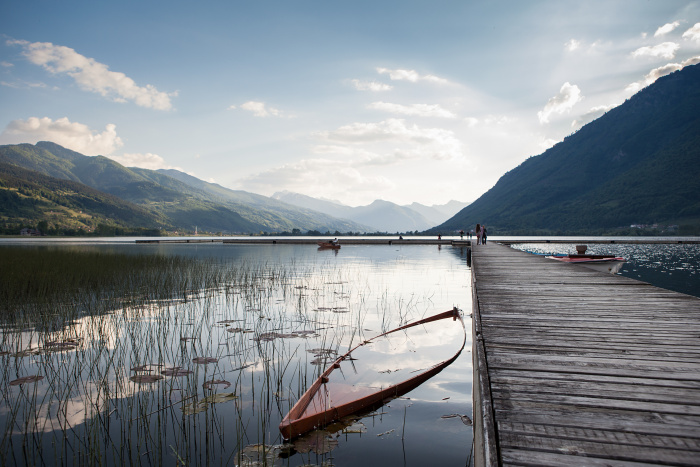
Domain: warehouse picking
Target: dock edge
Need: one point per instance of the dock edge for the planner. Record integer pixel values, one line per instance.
(485, 440)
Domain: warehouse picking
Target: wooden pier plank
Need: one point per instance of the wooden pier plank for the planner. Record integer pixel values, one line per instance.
(582, 367)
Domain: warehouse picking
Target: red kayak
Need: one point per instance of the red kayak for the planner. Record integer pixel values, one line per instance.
(335, 246)
(378, 370)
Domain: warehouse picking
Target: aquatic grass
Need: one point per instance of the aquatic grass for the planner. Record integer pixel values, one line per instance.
(89, 410)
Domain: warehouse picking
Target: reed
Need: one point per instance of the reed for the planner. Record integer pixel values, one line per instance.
(96, 324)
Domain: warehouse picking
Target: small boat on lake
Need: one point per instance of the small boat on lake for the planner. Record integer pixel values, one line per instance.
(378, 370)
(604, 263)
(329, 244)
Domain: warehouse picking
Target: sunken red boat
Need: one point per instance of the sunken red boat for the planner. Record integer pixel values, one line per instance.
(378, 370)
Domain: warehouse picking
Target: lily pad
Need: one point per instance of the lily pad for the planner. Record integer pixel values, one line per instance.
(322, 352)
(143, 379)
(318, 441)
(205, 360)
(215, 382)
(357, 427)
(176, 371)
(203, 404)
(26, 380)
(260, 454)
(68, 344)
(25, 353)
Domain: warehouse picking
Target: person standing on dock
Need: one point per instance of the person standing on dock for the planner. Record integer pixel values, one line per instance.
(478, 234)
(483, 235)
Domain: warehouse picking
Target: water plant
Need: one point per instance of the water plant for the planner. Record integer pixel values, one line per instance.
(113, 357)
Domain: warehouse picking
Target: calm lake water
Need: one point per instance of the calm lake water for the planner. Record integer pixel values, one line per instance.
(268, 335)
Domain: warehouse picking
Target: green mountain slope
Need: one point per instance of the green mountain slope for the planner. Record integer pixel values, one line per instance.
(183, 200)
(637, 164)
(183, 208)
(28, 197)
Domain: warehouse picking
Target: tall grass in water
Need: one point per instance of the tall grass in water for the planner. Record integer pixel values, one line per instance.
(100, 329)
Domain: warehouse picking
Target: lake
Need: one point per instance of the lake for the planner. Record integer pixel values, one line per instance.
(198, 360)
(200, 367)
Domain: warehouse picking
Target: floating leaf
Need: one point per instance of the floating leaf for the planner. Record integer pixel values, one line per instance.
(386, 433)
(185, 339)
(234, 330)
(318, 441)
(357, 427)
(69, 344)
(25, 353)
(226, 321)
(205, 360)
(176, 371)
(214, 382)
(26, 379)
(203, 404)
(143, 379)
(322, 352)
(260, 454)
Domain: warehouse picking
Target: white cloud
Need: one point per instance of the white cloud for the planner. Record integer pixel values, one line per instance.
(415, 110)
(693, 33)
(6, 64)
(666, 50)
(71, 135)
(21, 84)
(471, 121)
(144, 161)
(410, 75)
(572, 45)
(92, 75)
(259, 109)
(432, 143)
(330, 177)
(371, 86)
(568, 96)
(657, 73)
(666, 28)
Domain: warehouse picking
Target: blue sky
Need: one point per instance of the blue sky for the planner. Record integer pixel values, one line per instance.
(353, 101)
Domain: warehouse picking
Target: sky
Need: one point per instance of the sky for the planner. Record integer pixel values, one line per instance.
(405, 101)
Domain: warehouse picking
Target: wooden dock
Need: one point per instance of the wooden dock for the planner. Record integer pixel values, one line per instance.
(576, 367)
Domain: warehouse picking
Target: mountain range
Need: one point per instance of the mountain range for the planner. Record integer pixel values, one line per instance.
(165, 199)
(382, 216)
(47, 182)
(637, 165)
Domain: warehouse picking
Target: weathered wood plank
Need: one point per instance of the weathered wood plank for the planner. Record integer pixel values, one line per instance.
(585, 368)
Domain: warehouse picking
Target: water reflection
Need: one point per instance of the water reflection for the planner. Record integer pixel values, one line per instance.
(265, 325)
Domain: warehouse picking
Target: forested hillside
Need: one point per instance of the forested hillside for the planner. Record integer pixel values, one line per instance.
(639, 164)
